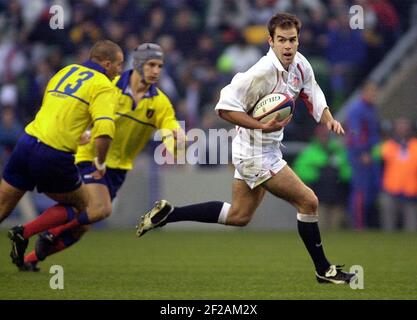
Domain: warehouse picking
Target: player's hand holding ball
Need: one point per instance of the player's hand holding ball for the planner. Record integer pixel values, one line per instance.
(275, 125)
(274, 111)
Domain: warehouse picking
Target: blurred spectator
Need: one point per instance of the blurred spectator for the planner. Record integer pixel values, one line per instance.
(13, 60)
(399, 199)
(158, 21)
(174, 62)
(8, 96)
(316, 25)
(362, 137)
(206, 52)
(324, 167)
(41, 76)
(388, 21)
(83, 30)
(372, 36)
(302, 8)
(260, 11)
(13, 17)
(185, 31)
(122, 11)
(228, 14)
(337, 7)
(115, 31)
(239, 56)
(344, 68)
(10, 131)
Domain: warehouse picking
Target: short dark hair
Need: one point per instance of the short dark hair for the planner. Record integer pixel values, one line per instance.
(283, 20)
(104, 50)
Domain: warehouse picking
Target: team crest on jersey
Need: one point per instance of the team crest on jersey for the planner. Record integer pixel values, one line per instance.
(150, 113)
(295, 82)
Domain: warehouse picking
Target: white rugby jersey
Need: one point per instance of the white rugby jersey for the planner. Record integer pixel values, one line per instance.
(265, 77)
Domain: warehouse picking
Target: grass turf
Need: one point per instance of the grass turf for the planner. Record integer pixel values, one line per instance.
(232, 265)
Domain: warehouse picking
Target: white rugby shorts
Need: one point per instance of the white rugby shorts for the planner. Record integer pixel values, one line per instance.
(258, 169)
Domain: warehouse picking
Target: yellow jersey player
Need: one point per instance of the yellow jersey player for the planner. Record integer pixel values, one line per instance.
(76, 97)
(142, 108)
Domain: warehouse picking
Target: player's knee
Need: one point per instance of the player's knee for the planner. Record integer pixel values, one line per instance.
(239, 218)
(99, 212)
(242, 221)
(5, 210)
(105, 211)
(309, 203)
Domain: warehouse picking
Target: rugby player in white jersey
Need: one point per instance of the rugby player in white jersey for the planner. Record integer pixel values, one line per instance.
(256, 148)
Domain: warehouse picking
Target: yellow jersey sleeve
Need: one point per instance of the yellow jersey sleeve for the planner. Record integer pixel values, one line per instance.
(165, 119)
(167, 123)
(102, 110)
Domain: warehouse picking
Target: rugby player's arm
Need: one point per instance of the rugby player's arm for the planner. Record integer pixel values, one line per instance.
(102, 145)
(330, 122)
(242, 119)
(102, 111)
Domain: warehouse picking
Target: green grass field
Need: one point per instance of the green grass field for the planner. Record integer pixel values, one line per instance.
(216, 265)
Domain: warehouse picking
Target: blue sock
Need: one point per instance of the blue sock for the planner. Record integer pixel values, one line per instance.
(82, 218)
(68, 238)
(70, 213)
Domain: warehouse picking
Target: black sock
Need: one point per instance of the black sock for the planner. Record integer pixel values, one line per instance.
(202, 212)
(309, 232)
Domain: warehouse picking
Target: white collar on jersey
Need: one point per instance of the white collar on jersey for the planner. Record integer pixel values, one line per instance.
(276, 62)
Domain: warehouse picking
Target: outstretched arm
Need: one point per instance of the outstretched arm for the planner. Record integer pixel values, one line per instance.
(331, 123)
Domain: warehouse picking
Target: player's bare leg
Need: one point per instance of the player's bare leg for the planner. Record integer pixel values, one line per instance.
(99, 202)
(245, 201)
(77, 198)
(288, 186)
(9, 197)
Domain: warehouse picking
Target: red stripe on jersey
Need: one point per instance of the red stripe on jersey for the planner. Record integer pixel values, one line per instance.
(307, 103)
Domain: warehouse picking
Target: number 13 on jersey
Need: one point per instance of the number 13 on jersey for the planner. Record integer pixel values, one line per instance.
(70, 87)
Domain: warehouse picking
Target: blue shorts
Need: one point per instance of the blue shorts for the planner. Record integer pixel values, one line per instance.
(113, 178)
(35, 164)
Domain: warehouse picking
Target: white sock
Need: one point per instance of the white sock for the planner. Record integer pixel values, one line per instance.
(309, 218)
(224, 212)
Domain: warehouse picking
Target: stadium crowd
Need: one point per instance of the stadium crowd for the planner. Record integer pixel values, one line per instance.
(206, 42)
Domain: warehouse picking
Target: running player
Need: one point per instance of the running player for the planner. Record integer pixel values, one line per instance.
(142, 108)
(256, 148)
(76, 97)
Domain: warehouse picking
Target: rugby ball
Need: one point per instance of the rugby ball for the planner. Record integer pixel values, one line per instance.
(274, 105)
